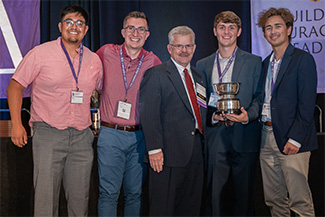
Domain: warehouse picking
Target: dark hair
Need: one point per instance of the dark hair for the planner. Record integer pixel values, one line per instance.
(227, 17)
(284, 13)
(135, 14)
(74, 9)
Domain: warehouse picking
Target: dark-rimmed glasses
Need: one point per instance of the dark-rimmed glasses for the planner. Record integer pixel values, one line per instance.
(131, 29)
(70, 22)
(180, 46)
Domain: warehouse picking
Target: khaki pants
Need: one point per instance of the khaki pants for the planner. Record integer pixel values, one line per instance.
(285, 179)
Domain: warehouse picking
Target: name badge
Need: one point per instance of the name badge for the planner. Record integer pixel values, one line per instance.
(124, 110)
(266, 110)
(201, 95)
(77, 97)
(214, 99)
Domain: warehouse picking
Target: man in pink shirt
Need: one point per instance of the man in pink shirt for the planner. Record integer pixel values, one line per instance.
(121, 144)
(63, 74)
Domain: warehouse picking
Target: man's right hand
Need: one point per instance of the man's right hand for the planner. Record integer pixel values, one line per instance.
(157, 161)
(220, 117)
(15, 98)
(19, 135)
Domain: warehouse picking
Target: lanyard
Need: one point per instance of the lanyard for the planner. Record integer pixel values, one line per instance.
(221, 75)
(124, 72)
(274, 72)
(70, 63)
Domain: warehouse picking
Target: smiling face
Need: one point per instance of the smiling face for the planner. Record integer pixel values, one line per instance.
(72, 34)
(182, 48)
(276, 32)
(135, 40)
(227, 34)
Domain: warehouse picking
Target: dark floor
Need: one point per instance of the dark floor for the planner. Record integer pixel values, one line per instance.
(16, 187)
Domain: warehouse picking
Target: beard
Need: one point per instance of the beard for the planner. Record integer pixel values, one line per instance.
(73, 40)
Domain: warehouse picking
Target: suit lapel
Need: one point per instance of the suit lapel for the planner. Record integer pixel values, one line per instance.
(284, 65)
(178, 84)
(208, 72)
(265, 69)
(239, 61)
(198, 79)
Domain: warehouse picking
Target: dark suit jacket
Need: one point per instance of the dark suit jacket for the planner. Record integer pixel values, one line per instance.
(165, 113)
(293, 99)
(246, 71)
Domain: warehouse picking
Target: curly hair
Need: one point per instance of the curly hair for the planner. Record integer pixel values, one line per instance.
(284, 13)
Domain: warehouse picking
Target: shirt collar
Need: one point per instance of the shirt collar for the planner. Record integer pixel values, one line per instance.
(181, 68)
(222, 59)
(273, 59)
(59, 44)
(126, 55)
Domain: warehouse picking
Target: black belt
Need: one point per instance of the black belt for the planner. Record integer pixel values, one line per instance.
(119, 127)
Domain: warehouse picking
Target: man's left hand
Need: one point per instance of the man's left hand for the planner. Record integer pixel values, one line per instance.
(290, 149)
(242, 117)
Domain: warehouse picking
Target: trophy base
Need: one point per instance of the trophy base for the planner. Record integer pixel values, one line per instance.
(229, 111)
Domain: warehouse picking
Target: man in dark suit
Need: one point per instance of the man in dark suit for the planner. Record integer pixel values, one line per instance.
(233, 140)
(172, 114)
(289, 133)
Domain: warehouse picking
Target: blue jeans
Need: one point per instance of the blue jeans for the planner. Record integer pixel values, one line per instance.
(120, 160)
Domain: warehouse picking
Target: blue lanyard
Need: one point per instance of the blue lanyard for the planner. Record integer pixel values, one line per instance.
(70, 63)
(124, 72)
(221, 75)
(274, 73)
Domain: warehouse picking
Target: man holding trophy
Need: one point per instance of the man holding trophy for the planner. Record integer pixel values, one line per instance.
(233, 131)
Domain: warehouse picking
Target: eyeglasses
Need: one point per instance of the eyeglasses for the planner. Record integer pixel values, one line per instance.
(70, 22)
(131, 29)
(180, 46)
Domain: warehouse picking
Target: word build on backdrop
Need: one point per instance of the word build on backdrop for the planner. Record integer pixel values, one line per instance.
(308, 30)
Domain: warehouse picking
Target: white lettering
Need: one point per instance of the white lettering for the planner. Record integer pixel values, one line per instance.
(10, 40)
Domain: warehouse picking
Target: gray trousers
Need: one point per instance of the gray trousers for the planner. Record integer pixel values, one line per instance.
(285, 179)
(61, 155)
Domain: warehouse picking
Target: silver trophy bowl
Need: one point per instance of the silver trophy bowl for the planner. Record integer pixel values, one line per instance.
(227, 102)
(229, 88)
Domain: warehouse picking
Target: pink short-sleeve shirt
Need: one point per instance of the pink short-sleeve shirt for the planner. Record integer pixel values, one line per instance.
(47, 69)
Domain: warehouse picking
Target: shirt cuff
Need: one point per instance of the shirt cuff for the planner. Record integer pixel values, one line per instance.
(295, 143)
(155, 151)
(245, 122)
(212, 120)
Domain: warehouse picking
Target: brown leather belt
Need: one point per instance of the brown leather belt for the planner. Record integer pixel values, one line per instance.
(268, 123)
(226, 123)
(119, 127)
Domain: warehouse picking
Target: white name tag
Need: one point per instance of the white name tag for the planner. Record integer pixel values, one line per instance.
(77, 97)
(214, 99)
(201, 95)
(266, 111)
(124, 110)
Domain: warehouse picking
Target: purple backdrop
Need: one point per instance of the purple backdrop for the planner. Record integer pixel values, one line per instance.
(24, 17)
